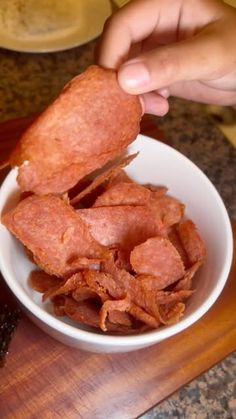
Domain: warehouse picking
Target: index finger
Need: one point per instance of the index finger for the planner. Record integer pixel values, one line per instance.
(132, 23)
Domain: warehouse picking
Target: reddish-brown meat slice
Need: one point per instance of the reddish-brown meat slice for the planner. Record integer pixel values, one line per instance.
(119, 317)
(166, 209)
(83, 293)
(67, 287)
(124, 193)
(159, 258)
(186, 282)
(173, 236)
(191, 241)
(125, 226)
(103, 177)
(167, 297)
(54, 232)
(159, 190)
(151, 284)
(117, 177)
(122, 278)
(139, 314)
(58, 305)
(84, 312)
(132, 287)
(40, 281)
(90, 123)
(125, 305)
(121, 258)
(171, 313)
(109, 306)
(103, 284)
(80, 263)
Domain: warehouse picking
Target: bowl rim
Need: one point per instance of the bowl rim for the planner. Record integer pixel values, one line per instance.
(141, 339)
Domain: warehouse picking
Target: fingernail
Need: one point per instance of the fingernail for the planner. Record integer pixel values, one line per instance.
(134, 75)
(164, 92)
(142, 103)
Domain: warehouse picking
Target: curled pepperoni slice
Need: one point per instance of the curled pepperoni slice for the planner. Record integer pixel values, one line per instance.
(54, 233)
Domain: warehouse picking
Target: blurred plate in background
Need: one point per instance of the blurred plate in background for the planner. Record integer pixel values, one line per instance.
(50, 25)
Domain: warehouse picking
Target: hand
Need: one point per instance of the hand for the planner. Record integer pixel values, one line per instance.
(184, 48)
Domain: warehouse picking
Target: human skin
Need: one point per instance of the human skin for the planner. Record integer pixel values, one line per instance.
(182, 48)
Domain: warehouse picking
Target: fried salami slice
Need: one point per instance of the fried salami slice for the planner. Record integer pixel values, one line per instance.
(186, 282)
(84, 312)
(103, 284)
(66, 288)
(166, 210)
(171, 313)
(132, 287)
(107, 175)
(191, 241)
(159, 258)
(173, 236)
(124, 193)
(42, 282)
(90, 123)
(126, 226)
(54, 233)
(125, 306)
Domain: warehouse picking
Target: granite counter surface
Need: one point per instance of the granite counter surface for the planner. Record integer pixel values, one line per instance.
(28, 82)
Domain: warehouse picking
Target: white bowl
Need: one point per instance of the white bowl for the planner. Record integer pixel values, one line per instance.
(156, 163)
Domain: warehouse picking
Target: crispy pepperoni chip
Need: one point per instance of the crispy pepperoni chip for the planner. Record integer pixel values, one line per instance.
(124, 193)
(159, 258)
(54, 233)
(84, 312)
(90, 123)
(111, 173)
(42, 282)
(125, 225)
(67, 287)
(192, 242)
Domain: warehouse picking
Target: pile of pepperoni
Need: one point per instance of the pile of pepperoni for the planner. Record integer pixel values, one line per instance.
(111, 253)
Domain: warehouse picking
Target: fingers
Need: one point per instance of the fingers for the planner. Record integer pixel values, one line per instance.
(132, 23)
(200, 92)
(197, 58)
(155, 104)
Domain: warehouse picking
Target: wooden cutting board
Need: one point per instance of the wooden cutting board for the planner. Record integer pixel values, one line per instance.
(45, 379)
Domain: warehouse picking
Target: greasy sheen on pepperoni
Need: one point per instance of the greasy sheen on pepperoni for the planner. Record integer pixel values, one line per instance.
(54, 233)
(159, 258)
(90, 123)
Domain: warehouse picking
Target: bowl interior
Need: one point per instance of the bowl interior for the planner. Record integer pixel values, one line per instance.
(160, 165)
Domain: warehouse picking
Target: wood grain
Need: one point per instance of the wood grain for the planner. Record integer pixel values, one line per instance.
(45, 379)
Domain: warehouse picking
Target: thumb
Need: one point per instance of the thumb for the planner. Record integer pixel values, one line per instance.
(194, 59)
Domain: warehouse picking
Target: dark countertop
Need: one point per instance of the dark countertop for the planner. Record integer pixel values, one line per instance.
(30, 81)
